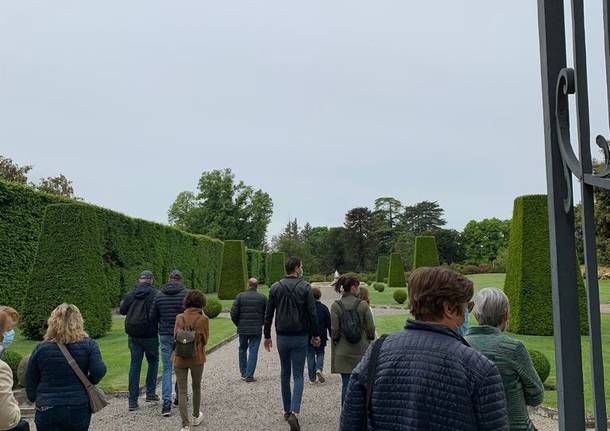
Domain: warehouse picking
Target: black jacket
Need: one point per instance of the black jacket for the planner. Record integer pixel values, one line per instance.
(427, 378)
(305, 302)
(323, 322)
(248, 312)
(167, 305)
(143, 291)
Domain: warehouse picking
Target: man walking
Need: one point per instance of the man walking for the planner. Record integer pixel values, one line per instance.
(143, 338)
(166, 306)
(248, 314)
(296, 324)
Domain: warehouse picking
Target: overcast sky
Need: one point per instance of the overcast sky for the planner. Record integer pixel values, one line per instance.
(326, 105)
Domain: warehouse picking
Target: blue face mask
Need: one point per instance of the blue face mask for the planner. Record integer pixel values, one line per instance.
(8, 338)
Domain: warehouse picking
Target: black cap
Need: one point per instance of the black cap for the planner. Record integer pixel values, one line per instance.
(176, 275)
(146, 274)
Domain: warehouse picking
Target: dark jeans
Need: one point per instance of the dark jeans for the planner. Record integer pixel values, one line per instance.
(138, 348)
(247, 362)
(315, 361)
(292, 350)
(63, 418)
(21, 426)
(344, 384)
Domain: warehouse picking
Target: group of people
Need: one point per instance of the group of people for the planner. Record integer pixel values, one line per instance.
(427, 376)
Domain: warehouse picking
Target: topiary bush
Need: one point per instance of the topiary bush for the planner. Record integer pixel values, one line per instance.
(213, 308)
(234, 272)
(378, 286)
(383, 265)
(396, 271)
(256, 265)
(68, 268)
(528, 270)
(425, 252)
(13, 359)
(276, 270)
(400, 296)
(541, 364)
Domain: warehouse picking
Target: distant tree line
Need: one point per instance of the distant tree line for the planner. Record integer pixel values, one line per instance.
(12, 172)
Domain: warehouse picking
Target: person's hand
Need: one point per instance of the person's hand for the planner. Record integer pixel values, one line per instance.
(268, 344)
(315, 341)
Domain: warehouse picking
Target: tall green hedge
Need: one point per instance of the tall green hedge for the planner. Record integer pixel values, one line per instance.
(256, 265)
(396, 271)
(276, 268)
(68, 268)
(128, 246)
(383, 264)
(234, 272)
(528, 270)
(425, 252)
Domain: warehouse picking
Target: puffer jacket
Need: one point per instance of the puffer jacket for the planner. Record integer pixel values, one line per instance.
(49, 380)
(305, 302)
(427, 378)
(248, 312)
(166, 306)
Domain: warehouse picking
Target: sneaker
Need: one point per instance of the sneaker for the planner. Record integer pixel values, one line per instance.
(293, 422)
(321, 377)
(133, 407)
(197, 420)
(176, 402)
(312, 382)
(243, 378)
(167, 409)
(185, 429)
(152, 398)
(286, 416)
(250, 379)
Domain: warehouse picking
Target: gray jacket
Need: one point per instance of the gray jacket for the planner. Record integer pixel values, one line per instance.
(248, 312)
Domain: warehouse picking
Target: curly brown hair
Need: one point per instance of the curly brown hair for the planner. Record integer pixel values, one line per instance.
(195, 299)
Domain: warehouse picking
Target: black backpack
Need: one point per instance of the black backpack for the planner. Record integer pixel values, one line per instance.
(137, 324)
(186, 340)
(288, 317)
(351, 327)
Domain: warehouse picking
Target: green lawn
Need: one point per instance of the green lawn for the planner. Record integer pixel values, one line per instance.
(116, 354)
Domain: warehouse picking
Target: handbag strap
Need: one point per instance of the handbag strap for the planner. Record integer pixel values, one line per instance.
(79, 373)
(371, 378)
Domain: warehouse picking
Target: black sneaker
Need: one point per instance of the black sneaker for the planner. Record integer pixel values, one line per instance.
(133, 407)
(250, 379)
(152, 398)
(167, 409)
(286, 416)
(293, 422)
(176, 402)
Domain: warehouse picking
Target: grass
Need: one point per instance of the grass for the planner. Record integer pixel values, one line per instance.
(116, 354)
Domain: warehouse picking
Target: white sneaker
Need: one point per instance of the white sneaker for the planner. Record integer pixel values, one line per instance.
(197, 421)
(185, 429)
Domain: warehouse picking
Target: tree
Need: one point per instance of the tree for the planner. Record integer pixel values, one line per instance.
(360, 228)
(405, 245)
(387, 213)
(291, 241)
(422, 217)
(11, 171)
(449, 244)
(224, 209)
(332, 253)
(482, 239)
(58, 185)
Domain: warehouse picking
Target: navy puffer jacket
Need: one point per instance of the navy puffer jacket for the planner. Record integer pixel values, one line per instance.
(166, 306)
(427, 378)
(248, 312)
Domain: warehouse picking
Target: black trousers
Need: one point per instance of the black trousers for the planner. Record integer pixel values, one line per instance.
(21, 426)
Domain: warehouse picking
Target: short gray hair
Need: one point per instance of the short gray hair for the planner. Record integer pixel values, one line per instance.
(491, 306)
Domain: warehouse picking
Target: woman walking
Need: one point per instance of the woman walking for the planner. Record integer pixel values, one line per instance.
(62, 403)
(191, 333)
(352, 329)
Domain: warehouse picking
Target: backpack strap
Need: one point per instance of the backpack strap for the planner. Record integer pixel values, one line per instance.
(371, 378)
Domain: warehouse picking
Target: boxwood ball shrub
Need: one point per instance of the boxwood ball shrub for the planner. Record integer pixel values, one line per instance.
(528, 270)
(541, 364)
(233, 273)
(68, 268)
(425, 252)
(13, 359)
(277, 271)
(383, 264)
(396, 272)
(379, 287)
(400, 296)
(213, 308)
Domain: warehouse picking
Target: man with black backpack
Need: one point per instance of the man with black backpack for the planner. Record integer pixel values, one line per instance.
(296, 325)
(143, 338)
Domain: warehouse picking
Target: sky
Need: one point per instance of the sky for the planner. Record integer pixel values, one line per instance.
(324, 105)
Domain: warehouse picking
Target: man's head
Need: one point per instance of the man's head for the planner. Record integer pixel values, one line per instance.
(175, 276)
(317, 293)
(252, 283)
(440, 295)
(294, 266)
(146, 277)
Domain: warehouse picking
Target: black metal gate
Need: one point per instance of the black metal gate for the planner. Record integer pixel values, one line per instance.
(558, 83)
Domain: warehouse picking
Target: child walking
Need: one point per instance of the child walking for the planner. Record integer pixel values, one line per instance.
(315, 355)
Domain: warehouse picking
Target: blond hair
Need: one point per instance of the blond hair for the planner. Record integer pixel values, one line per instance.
(66, 325)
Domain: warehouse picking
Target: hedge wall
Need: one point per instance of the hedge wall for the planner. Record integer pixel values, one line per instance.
(276, 267)
(68, 268)
(425, 252)
(128, 246)
(383, 264)
(396, 271)
(234, 271)
(528, 270)
(256, 265)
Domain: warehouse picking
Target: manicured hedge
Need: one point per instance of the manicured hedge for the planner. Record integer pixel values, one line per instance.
(425, 252)
(256, 265)
(541, 364)
(396, 271)
(528, 270)
(234, 272)
(276, 267)
(383, 264)
(68, 268)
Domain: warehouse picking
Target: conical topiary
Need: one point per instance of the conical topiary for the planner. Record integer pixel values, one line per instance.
(383, 263)
(277, 270)
(396, 271)
(425, 252)
(234, 270)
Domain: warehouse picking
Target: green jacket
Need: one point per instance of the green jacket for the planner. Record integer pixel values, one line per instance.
(345, 356)
(522, 385)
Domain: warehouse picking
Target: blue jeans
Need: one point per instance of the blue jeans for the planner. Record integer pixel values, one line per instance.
(344, 384)
(292, 350)
(167, 347)
(247, 363)
(315, 361)
(138, 348)
(63, 418)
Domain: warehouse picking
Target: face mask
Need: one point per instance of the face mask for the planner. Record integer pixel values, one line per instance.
(8, 338)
